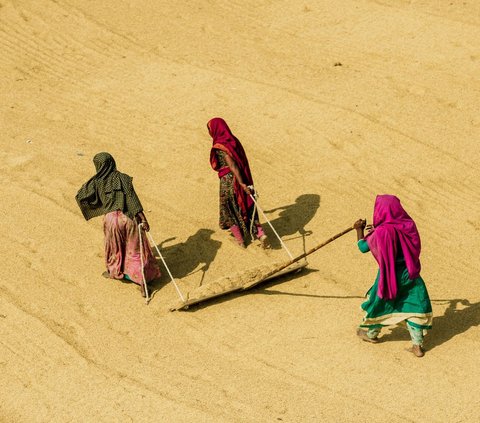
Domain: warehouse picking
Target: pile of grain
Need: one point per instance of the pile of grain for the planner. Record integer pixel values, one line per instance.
(234, 282)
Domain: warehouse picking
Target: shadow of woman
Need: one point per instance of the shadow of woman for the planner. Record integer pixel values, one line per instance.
(454, 321)
(185, 258)
(293, 218)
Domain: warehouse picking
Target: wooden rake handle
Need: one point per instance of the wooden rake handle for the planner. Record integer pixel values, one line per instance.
(322, 244)
(301, 256)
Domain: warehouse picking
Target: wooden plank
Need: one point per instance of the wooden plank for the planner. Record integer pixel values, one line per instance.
(280, 269)
(184, 306)
(292, 268)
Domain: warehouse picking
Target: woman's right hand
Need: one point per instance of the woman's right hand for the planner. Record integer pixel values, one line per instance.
(142, 221)
(360, 224)
(245, 188)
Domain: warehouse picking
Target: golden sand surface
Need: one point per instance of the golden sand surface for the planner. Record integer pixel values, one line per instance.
(334, 102)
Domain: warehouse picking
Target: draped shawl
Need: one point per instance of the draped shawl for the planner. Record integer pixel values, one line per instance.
(224, 140)
(393, 228)
(108, 190)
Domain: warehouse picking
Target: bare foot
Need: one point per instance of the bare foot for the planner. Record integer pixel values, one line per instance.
(238, 244)
(264, 242)
(106, 274)
(417, 351)
(362, 334)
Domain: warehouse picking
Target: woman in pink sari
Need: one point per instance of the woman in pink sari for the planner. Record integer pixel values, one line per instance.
(228, 159)
(111, 194)
(399, 293)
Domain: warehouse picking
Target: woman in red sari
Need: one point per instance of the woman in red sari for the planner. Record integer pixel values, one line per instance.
(228, 159)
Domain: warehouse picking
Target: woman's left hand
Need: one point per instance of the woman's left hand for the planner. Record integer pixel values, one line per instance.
(142, 220)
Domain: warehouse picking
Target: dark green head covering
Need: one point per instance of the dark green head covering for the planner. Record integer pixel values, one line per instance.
(108, 190)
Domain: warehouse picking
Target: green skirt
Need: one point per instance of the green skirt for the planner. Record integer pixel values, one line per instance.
(412, 303)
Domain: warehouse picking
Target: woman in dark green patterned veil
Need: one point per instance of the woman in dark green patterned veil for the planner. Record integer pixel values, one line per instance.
(110, 193)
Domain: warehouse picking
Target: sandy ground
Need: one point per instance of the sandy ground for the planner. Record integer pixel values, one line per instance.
(397, 114)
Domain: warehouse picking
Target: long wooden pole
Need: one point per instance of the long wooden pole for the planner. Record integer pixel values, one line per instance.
(300, 257)
(166, 267)
(185, 304)
(328, 241)
(145, 287)
(271, 226)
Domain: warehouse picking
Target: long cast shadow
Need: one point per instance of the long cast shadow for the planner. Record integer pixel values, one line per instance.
(453, 322)
(185, 258)
(293, 218)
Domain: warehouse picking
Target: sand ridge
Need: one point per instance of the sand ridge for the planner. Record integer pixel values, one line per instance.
(333, 104)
